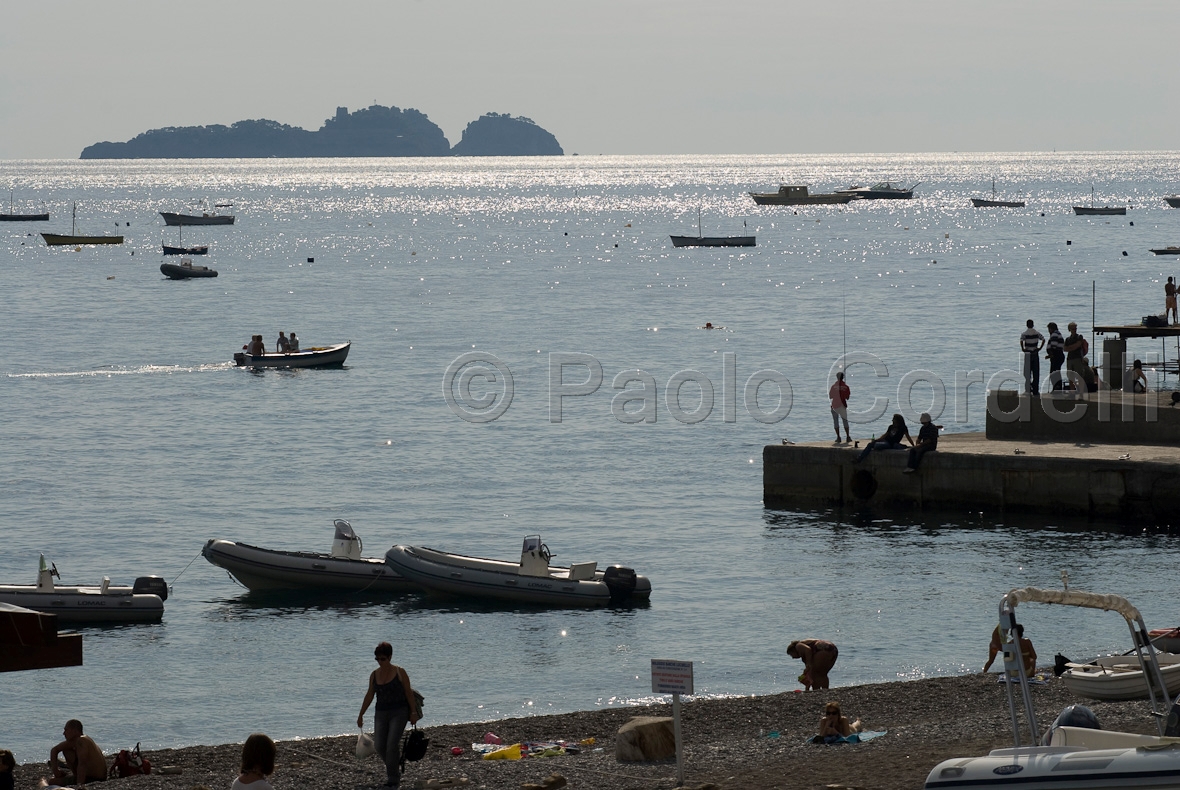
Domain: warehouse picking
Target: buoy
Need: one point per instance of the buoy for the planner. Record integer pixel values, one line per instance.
(1068, 242)
(311, 260)
(1132, 224)
(1042, 213)
(111, 277)
(1124, 253)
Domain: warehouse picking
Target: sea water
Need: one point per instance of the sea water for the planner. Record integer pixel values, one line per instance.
(129, 438)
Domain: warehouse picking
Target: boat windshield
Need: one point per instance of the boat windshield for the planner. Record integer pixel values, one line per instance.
(343, 530)
(531, 543)
(882, 185)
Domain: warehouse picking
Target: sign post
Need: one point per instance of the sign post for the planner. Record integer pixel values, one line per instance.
(675, 678)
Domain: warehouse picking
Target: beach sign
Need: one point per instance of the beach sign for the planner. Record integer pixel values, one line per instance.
(675, 678)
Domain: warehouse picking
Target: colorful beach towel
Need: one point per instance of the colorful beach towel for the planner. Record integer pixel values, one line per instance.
(1039, 680)
(856, 737)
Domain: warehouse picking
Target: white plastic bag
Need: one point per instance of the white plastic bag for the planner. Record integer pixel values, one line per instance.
(364, 746)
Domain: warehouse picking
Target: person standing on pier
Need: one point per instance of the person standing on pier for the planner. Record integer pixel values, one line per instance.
(839, 394)
(1031, 343)
(1170, 302)
(1056, 356)
(1075, 355)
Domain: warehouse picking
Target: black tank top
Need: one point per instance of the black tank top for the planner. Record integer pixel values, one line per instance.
(391, 695)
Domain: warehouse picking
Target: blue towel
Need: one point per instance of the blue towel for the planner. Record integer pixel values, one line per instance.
(856, 737)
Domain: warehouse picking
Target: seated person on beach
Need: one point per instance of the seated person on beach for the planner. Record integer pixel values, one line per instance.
(7, 766)
(890, 440)
(81, 760)
(819, 656)
(1138, 379)
(927, 442)
(834, 724)
(293, 342)
(258, 762)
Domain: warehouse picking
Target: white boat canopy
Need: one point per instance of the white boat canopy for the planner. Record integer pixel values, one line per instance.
(1107, 603)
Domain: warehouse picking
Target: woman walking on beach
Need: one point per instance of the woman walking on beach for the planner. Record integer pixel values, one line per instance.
(390, 684)
(819, 655)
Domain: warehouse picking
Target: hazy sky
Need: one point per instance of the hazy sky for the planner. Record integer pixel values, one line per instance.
(610, 76)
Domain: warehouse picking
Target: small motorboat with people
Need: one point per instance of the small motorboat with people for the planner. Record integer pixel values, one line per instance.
(342, 568)
(1075, 752)
(796, 195)
(313, 357)
(142, 602)
(532, 580)
(882, 190)
(185, 270)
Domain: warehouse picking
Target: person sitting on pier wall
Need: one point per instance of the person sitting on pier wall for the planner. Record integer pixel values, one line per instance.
(890, 440)
(1138, 379)
(927, 442)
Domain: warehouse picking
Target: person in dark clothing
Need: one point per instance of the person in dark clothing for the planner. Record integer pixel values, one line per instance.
(390, 685)
(1055, 353)
(1031, 343)
(890, 440)
(927, 442)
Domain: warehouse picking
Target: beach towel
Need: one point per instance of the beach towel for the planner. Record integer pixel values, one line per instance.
(856, 737)
(1039, 680)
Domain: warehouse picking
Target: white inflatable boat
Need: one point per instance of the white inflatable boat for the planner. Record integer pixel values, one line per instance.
(532, 580)
(342, 569)
(142, 602)
(1074, 756)
(1119, 677)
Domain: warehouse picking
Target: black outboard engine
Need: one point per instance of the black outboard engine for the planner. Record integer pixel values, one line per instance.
(620, 581)
(151, 585)
(1072, 716)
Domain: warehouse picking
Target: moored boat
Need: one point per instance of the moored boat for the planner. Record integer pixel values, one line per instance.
(1169, 250)
(532, 580)
(172, 218)
(342, 569)
(202, 250)
(796, 195)
(1101, 211)
(185, 270)
(1119, 677)
(102, 603)
(883, 190)
(1174, 202)
(314, 357)
(994, 202)
(1075, 753)
(12, 216)
(61, 240)
(700, 240)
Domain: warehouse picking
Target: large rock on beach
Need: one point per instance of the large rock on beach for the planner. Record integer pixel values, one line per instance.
(645, 739)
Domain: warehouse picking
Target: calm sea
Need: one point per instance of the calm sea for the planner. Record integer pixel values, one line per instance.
(129, 439)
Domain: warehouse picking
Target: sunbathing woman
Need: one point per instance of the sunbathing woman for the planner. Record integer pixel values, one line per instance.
(834, 724)
(890, 440)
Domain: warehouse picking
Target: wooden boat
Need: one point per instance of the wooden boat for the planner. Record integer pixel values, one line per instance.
(796, 195)
(994, 203)
(711, 241)
(168, 250)
(12, 216)
(1174, 202)
(1119, 677)
(1166, 250)
(60, 240)
(314, 357)
(101, 603)
(196, 219)
(532, 580)
(1070, 756)
(1092, 210)
(341, 569)
(185, 270)
(883, 190)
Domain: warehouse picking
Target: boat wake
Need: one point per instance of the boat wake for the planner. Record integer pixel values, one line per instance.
(125, 371)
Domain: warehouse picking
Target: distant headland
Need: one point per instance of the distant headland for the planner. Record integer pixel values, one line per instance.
(373, 131)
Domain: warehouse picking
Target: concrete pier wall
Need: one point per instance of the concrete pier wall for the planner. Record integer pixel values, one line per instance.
(1106, 416)
(969, 472)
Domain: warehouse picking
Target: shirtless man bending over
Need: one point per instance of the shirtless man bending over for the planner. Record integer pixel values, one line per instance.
(80, 756)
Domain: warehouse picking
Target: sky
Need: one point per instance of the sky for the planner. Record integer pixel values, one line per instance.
(608, 76)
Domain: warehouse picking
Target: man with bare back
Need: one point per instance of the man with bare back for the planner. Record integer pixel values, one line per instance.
(81, 759)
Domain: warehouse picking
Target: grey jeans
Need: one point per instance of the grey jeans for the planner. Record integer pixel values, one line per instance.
(389, 725)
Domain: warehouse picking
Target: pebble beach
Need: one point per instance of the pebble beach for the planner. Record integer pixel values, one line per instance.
(739, 742)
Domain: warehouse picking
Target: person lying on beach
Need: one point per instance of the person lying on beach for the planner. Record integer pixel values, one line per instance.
(890, 440)
(818, 655)
(81, 759)
(834, 724)
(258, 762)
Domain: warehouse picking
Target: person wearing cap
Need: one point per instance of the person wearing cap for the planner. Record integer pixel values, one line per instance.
(927, 442)
(1031, 343)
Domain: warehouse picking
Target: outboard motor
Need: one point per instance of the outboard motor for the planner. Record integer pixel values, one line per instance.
(346, 544)
(620, 581)
(151, 585)
(1072, 716)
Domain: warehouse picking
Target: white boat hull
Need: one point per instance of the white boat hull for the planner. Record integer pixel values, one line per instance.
(1120, 677)
(85, 604)
(267, 569)
(455, 574)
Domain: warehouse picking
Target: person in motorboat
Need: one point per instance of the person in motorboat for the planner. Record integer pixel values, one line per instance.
(890, 440)
(282, 345)
(80, 758)
(390, 685)
(255, 347)
(834, 725)
(258, 762)
(293, 343)
(819, 656)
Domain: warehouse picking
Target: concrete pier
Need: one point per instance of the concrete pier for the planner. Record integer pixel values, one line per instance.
(1125, 481)
(1107, 416)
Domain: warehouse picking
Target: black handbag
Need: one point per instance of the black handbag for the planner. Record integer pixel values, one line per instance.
(414, 746)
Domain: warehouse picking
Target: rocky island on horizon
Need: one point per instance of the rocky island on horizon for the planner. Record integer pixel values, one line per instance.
(372, 131)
